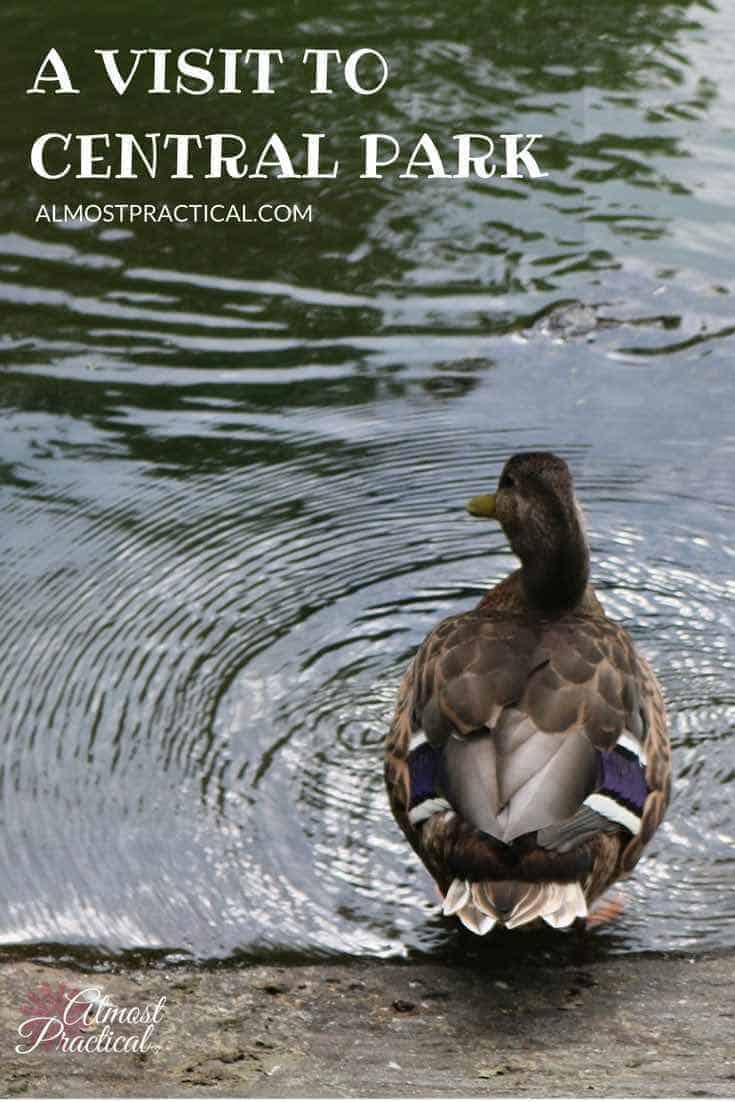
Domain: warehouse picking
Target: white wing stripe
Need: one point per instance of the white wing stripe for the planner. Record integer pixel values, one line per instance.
(611, 809)
(627, 742)
(427, 808)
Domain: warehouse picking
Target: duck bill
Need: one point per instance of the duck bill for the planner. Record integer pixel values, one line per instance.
(482, 506)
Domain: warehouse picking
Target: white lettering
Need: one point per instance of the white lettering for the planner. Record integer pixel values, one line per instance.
(60, 75)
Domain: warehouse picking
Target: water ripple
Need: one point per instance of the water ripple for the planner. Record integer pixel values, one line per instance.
(234, 467)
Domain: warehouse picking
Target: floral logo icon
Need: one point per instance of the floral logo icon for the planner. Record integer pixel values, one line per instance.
(53, 1013)
(87, 1020)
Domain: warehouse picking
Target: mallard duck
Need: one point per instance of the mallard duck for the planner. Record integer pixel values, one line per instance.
(528, 761)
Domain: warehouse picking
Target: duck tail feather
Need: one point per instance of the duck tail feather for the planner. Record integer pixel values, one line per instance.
(482, 904)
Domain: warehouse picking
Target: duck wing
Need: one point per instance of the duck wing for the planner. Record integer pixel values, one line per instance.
(532, 726)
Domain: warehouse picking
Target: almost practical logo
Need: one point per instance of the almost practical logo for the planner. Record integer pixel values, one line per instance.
(72, 1019)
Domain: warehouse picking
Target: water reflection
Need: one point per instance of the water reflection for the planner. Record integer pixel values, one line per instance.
(234, 467)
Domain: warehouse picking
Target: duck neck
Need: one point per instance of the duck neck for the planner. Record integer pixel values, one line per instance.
(555, 577)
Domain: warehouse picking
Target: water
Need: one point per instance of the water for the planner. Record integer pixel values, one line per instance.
(234, 462)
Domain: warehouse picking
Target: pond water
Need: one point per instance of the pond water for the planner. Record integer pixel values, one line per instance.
(234, 461)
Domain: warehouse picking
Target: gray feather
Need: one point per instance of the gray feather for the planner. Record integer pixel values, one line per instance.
(518, 779)
(569, 834)
(555, 791)
(472, 781)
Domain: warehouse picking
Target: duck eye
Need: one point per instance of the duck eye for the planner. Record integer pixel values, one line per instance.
(506, 482)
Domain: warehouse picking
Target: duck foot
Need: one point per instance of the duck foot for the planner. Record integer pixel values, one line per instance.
(605, 911)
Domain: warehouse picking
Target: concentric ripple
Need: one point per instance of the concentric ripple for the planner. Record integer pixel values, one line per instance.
(234, 467)
(200, 669)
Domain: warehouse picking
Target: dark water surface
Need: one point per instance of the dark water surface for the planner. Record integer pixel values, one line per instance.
(234, 461)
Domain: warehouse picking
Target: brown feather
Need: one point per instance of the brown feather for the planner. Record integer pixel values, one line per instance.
(520, 697)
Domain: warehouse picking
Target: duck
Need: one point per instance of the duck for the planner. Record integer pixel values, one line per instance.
(528, 762)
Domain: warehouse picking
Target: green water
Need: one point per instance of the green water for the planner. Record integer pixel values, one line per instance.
(234, 457)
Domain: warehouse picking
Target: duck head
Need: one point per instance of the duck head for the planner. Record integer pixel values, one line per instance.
(539, 513)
